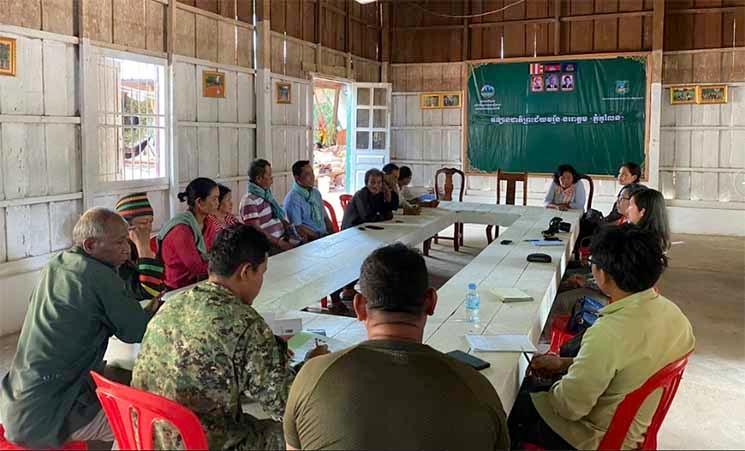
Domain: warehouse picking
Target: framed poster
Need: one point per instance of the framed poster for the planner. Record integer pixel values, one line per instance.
(429, 101)
(213, 84)
(451, 99)
(284, 92)
(712, 94)
(682, 95)
(7, 56)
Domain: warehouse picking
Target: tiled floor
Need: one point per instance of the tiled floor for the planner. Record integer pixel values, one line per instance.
(706, 279)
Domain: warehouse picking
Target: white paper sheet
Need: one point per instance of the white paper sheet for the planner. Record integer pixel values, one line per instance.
(500, 343)
(304, 341)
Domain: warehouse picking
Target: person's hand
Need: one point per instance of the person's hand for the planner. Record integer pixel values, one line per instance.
(563, 208)
(552, 206)
(154, 304)
(576, 281)
(285, 245)
(140, 235)
(320, 349)
(546, 365)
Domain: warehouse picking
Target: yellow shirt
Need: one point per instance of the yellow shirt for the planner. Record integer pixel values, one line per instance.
(633, 339)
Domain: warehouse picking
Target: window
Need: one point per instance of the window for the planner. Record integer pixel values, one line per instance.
(131, 120)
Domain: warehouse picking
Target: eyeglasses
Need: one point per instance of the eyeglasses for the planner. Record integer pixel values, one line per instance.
(593, 261)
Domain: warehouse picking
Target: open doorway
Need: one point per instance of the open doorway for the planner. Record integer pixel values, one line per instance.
(331, 105)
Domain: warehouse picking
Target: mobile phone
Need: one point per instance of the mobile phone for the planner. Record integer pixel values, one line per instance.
(472, 361)
(374, 227)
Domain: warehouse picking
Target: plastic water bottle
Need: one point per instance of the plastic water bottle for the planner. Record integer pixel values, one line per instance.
(473, 304)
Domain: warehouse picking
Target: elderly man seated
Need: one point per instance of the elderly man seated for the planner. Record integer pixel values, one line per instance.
(48, 397)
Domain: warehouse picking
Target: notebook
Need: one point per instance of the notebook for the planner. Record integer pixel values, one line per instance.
(511, 295)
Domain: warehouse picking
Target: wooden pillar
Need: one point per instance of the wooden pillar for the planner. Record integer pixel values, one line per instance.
(263, 35)
(466, 45)
(557, 27)
(654, 108)
(347, 40)
(319, 19)
(386, 42)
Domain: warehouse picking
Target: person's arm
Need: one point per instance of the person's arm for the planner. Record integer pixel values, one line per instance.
(180, 241)
(580, 197)
(548, 201)
(364, 212)
(270, 375)
(589, 375)
(293, 210)
(125, 316)
(250, 216)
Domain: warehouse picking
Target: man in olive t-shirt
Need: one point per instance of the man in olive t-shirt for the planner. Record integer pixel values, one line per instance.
(391, 391)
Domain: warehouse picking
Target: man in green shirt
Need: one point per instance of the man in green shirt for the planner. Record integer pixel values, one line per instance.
(393, 392)
(210, 351)
(636, 335)
(48, 397)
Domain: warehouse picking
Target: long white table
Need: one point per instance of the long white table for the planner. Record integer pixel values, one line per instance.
(299, 277)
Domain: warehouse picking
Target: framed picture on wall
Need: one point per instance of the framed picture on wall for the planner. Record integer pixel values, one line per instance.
(682, 95)
(712, 94)
(429, 101)
(451, 99)
(7, 56)
(284, 92)
(213, 84)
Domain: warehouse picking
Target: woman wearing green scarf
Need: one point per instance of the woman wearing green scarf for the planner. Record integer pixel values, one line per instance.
(304, 205)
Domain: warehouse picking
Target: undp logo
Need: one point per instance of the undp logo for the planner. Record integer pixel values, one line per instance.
(487, 91)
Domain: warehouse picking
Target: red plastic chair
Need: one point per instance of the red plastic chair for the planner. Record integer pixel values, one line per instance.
(118, 401)
(668, 379)
(332, 215)
(345, 199)
(69, 446)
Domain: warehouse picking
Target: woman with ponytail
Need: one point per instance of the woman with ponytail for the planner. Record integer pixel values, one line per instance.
(184, 240)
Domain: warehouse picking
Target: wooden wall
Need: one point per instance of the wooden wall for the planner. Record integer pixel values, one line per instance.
(40, 165)
(291, 127)
(556, 27)
(342, 25)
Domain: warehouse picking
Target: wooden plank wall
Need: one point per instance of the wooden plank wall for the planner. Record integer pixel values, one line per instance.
(291, 133)
(702, 149)
(530, 28)
(345, 25)
(40, 165)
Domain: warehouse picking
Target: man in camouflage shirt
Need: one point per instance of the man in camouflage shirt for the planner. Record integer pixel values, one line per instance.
(210, 351)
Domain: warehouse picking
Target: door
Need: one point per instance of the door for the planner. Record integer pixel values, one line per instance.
(370, 131)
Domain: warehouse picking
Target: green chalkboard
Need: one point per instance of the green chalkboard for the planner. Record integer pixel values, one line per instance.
(533, 117)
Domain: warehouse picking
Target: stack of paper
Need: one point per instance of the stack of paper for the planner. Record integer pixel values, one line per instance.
(500, 343)
(511, 295)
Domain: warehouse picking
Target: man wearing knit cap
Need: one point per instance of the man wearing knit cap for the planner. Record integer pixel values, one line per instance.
(144, 270)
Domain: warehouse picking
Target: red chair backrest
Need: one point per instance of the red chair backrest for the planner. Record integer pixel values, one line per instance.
(345, 199)
(668, 379)
(332, 215)
(118, 401)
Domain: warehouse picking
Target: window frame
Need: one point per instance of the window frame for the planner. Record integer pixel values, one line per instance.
(91, 121)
